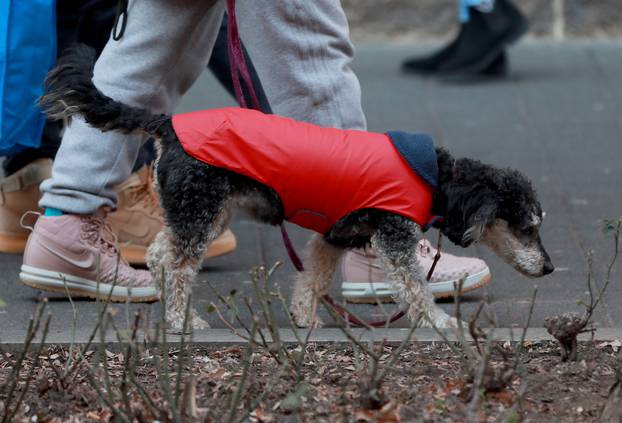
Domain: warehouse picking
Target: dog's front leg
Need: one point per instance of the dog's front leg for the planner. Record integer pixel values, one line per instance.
(313, 282)
(395, 243)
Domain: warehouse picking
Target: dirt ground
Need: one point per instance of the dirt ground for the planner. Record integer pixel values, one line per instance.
(426, 383)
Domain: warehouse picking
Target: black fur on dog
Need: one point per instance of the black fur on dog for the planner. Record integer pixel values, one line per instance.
(479, 203)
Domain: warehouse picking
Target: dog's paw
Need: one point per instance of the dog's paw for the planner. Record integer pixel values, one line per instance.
(303, 315)
(176, 325)
(307, 321)
(445, 322)
(438, 319)
(198, 323)
(452, 323)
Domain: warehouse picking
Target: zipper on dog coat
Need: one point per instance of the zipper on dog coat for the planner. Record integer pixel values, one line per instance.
(321, 174)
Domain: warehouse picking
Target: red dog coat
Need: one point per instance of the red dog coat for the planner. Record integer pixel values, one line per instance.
(321, 174)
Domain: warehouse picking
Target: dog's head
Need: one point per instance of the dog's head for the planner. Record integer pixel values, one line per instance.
(497, 207)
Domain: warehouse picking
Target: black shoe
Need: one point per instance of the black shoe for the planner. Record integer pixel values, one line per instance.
(484, 39)
(430, 64)
(498, 67)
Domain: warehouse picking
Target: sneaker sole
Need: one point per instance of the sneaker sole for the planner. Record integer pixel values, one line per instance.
(13, 243)
(47, 280)
(136, 254)
(381, 292)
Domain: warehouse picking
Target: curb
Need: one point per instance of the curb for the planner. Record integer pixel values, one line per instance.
(224, 337)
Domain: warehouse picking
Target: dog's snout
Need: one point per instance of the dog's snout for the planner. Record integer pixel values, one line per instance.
(548, 267)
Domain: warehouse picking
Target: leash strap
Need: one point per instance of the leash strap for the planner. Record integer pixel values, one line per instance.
(239, 70)
(357, 322)
(291, 252)
(437, 257)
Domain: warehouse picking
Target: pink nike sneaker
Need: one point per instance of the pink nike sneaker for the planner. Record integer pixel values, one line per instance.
(364, 279)
(79, 253)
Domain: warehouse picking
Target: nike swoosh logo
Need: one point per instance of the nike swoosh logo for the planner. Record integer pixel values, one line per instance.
(85, 261)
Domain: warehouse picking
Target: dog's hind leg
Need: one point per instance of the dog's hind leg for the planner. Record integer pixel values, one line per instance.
(395, 243)
(313, 282)
(175, 256)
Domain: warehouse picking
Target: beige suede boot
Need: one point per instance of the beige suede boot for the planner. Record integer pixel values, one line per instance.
(19, 193)
(138, 219)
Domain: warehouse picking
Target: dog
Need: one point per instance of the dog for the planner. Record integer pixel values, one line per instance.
(478, 203)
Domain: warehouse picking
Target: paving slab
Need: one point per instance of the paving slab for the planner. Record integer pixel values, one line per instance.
(557, 117)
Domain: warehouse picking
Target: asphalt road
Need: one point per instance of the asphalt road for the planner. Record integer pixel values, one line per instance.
(557, 117)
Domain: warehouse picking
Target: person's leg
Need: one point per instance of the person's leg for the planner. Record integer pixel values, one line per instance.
(302, 52)
(165, 47)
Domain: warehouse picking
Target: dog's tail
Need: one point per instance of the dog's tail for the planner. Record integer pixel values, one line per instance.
(69, 90)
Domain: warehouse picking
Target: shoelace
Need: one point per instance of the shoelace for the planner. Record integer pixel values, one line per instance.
(98, 233)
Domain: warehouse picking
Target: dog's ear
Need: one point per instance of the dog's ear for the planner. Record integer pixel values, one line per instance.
(477, 222)
(468, 211)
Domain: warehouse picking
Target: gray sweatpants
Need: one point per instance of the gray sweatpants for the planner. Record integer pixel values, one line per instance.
(301, 50)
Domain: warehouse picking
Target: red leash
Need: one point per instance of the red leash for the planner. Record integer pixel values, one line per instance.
(237, 62)
(239, 73)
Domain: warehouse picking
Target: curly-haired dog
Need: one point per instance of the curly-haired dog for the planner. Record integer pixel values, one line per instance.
(497, 207)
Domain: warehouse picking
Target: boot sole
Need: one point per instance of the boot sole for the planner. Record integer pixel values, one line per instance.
(482, 279)
(77, 287)
(136, 254)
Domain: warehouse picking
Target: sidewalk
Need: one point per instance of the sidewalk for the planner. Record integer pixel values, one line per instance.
(558, 118)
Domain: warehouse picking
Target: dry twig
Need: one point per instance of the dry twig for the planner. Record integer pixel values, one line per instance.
(565, 328)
